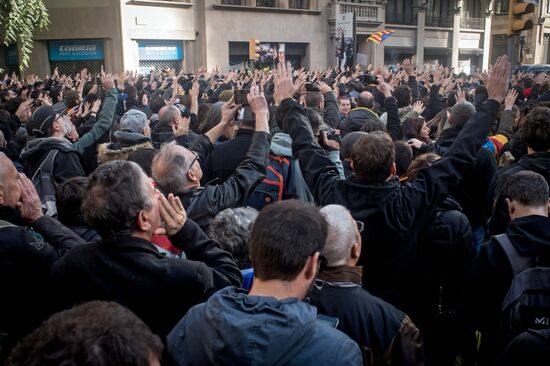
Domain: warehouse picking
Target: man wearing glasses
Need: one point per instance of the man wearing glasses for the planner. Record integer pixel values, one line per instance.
(178, 170)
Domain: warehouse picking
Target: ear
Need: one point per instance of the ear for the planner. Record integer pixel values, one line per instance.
(56, 126)
(143, 223)
(511, 206)
(1, 196)
(355, 251)
(393, 170)
(312, 266)
(191, 177)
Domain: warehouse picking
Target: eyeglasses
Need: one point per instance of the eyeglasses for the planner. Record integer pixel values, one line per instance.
(360, 226)
(193, 161)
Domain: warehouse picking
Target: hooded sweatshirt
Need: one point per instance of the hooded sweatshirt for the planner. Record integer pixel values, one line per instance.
(232, 328)
(67, 164)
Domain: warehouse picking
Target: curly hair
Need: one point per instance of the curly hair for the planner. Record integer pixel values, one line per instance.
(535, 129)
(96, 333)
(231, 228)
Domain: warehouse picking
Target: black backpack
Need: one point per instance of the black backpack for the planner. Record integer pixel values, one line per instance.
(44, 183)
(527, 302)
(274, 187)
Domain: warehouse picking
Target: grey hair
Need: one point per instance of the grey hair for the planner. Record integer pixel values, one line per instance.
(169, 115)
(170, 169)
(231, 228)
(341, 234)
(117, 193)
(461, 113)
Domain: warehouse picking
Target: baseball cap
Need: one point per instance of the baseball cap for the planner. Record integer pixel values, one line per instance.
(133, 121)
(41, 121)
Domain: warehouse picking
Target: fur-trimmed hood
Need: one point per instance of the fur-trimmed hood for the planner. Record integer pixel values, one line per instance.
(109, 151)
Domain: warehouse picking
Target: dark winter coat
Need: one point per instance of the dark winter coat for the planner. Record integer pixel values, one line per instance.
(132, 272)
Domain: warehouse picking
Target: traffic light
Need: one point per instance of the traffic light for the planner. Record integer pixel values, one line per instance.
(253, 49)
(517, 9)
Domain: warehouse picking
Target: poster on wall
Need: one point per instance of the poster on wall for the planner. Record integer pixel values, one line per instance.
(345, 40)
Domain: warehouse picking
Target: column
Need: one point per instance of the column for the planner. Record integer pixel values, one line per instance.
(420, 36)
(455, 40)
(487, 38)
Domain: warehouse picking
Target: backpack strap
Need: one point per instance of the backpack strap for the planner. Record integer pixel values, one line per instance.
(47, 164)
(518, 262)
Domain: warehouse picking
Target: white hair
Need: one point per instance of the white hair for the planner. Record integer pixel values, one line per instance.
(341, 234)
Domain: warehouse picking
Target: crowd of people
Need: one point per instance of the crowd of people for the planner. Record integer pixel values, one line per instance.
(364, 216)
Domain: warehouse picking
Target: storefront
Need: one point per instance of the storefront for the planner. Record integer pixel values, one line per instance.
(159, 54)
(71, 56)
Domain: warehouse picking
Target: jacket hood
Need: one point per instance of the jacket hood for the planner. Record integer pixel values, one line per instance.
(234, 335)
(44, 143)
(281, 145)
(531, 234)
(537, 162)
(109, 151)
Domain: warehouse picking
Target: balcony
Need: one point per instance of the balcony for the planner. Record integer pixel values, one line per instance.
(274, 6)
(439, 21)
(366, 12)
(472, 23)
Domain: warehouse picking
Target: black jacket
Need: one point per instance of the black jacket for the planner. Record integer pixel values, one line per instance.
(538, 163)
(392, 213)
(68, 163)
(474, 192)
(356, 119)
(226, 156)
(384, 334)
(331, 113)
(26, 257)
(203, 204)
(491, 277)
(132, 272)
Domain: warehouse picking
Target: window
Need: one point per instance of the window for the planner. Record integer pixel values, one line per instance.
(439, 14)
(298, 4)
(231, 2)
(500, 46)
(471, 15)
(266, 3)
(401, 12)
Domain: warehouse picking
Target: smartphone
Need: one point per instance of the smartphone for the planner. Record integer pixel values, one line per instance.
(240, 96)
(97, 80)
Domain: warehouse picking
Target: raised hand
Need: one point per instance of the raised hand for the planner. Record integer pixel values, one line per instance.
(418, 107)
(284, 88)
(30, 207)
(497, 79)
(510, 99)
(172, 214)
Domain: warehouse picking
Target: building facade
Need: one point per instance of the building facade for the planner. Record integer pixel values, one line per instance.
(185, 34)
(535, 48)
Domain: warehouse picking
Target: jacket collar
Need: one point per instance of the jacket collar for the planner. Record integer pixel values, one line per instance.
(126, 242)
(341, 274)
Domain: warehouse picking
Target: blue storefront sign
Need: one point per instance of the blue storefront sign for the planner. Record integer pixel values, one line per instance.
(76, 49)
(12, 55)
(160, 50)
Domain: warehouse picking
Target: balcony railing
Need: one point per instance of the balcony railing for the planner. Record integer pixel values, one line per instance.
(299, 5)
(370, 12)
(439, 21)
(472, 23)
(401, 18)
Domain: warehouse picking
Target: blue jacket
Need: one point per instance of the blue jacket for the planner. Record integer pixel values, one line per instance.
(232, 328)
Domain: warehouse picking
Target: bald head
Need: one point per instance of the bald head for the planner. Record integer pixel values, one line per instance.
(171, 166)
(342, 235)
(168, 114)
(365, 100)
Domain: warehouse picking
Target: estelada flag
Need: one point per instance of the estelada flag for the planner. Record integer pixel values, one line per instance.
(381, 36)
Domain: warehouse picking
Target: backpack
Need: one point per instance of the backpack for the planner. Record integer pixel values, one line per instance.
(274, 187)
(44, 183)
(527, 303)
